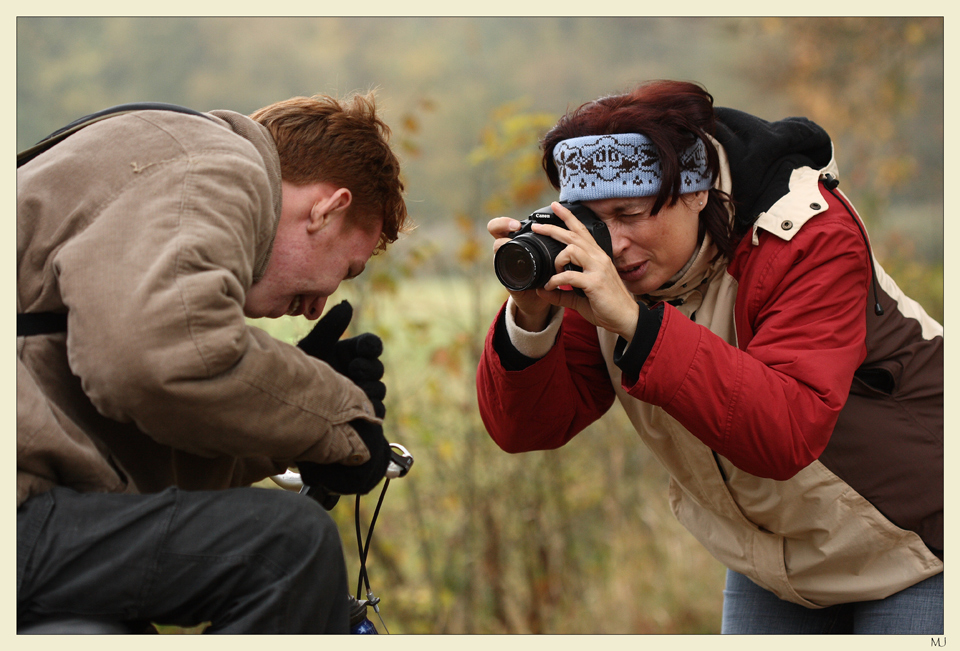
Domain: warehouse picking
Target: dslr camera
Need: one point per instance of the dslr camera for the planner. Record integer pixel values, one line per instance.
(529, 260)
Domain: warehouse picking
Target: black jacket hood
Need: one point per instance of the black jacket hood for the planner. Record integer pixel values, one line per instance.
(762, 156)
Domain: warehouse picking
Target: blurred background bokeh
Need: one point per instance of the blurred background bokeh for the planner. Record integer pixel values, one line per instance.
(577, 540)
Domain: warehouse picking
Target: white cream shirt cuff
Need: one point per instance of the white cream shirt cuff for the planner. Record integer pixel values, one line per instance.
(533, 344)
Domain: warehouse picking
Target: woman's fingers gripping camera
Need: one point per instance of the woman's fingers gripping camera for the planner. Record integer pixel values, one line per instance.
(606, 302)
(500, 229)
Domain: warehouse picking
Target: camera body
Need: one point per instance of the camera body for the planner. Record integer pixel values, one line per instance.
(528, 260)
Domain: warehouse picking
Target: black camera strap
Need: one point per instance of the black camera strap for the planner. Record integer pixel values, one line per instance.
(42, 323)
(121, 109)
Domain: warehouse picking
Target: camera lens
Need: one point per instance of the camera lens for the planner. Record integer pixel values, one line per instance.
(516, 266)
(529, 259)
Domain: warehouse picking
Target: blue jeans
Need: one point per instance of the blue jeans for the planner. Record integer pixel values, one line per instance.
(250, 560)
(749, 609)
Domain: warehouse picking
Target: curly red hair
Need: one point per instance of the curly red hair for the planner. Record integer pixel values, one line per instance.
(342, 142)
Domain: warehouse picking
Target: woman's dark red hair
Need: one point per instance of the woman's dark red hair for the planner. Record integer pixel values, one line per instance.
(673, 115)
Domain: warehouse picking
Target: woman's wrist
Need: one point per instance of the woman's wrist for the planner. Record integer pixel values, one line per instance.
(628, 329)
(534, 321)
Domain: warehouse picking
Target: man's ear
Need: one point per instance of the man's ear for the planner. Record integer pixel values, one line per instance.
(329, 208)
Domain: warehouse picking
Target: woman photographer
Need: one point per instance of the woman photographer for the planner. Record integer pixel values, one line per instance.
(793, 392)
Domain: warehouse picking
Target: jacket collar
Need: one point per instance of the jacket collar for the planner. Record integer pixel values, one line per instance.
(764, 155)
(260, 138)
(802, 201)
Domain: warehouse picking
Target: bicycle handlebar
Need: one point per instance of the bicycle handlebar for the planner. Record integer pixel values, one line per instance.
(400, 463)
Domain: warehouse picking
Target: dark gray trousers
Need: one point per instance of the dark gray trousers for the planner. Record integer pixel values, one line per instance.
(248, 560)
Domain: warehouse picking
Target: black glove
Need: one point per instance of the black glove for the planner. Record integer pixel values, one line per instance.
(352, 480)
(356, 358)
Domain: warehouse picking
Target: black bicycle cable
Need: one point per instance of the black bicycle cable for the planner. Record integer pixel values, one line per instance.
(364, 549)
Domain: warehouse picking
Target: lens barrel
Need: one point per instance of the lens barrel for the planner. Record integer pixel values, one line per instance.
(526, 262)
(529, 259)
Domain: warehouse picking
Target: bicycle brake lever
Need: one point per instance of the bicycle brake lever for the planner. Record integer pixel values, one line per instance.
(400, 462)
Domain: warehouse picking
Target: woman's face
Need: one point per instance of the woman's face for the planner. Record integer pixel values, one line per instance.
(648, 249)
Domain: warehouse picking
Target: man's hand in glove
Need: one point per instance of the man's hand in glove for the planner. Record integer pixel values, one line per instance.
(352, 480)
(357, 357)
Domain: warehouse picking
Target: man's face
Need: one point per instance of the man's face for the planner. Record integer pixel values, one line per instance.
(649, 249)
(316, 247)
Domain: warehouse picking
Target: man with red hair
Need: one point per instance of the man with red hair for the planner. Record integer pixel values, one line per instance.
(145, 240)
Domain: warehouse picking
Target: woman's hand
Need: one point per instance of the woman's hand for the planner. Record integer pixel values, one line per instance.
(607, 303)
(533, 313)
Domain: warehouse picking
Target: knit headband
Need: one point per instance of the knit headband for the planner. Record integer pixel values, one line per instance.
(622, 165)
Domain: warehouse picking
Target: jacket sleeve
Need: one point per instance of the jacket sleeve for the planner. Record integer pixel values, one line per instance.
(543, 403)
(770, 405)
(155, 288)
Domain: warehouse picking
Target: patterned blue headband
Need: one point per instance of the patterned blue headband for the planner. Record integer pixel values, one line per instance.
(622, 165)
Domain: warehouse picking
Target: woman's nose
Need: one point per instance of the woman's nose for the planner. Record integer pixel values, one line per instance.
(618, 240)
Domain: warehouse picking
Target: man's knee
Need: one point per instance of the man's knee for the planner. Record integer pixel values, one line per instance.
(298, 523)
(300, 514)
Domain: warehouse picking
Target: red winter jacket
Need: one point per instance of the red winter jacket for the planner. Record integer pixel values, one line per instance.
(769, 404)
